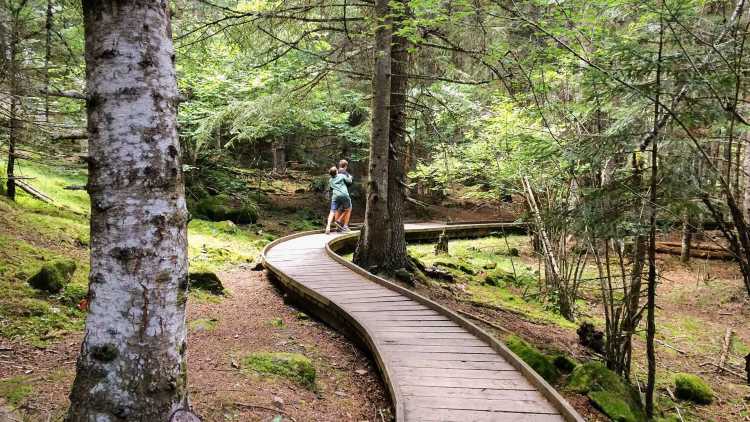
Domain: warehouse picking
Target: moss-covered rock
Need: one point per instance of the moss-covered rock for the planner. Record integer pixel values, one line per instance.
(692, 388)
(223, 208)
(53, 277)
(294, 366)
(206, 281)
(613, 406)
(534, 358)
(607, 391)
(456, 264)
(402, 274)
(565, 364)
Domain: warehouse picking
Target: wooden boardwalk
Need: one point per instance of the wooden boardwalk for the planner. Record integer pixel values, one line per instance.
(436, 365)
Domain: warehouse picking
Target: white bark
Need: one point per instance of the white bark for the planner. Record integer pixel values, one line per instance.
(132, 364)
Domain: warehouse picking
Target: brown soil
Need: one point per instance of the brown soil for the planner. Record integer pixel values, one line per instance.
(348, 387)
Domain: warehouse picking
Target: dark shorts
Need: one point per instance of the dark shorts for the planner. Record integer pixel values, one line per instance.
(342, 203)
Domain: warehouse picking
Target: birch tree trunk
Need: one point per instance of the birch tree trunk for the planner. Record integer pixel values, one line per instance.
(372, 248)
(132, 365)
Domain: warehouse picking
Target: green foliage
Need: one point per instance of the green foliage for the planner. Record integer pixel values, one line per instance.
(534, 358)
(15, 389)
(53, 277)
(693, 388)
(293, 366)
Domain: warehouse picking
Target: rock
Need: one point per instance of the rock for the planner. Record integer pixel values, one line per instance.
(53, 277)
(590, 337)
(692, 388)
(402, 274)
(223, 207)
(565, 364)
(490, 265)
(258, 267)
(607, 391)
(513, 252)
(534, 358)
(206, 281)
(278, 402)
(361, 371)
(437, 273)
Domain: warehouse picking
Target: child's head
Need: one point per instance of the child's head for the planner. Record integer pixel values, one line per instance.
(343, 164)
(333, 171)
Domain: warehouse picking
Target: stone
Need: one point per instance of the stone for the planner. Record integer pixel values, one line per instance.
(278, 402)
(206, 281)
(692, 388)
(53, 277)
(534, 358)
(402, 274)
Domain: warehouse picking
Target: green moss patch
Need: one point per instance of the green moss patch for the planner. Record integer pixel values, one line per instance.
(613, 406)
(534, 358)
(293, 366)
(203, 324)
(607, 391)
(692, 388)
(206, 281)
(53, 277)
(15, 389)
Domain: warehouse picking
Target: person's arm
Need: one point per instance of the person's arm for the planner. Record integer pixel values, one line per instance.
(348, 179)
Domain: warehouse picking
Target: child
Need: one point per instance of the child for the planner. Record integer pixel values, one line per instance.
(346, 215)
(340, 200)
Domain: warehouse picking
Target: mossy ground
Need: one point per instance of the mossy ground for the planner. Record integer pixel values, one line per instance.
(542, 364)
(34, 233)
(514, 282)
(294, 366)
(15, 389)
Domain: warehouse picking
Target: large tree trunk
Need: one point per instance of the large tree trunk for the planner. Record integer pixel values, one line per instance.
(132, 365)
(374, 241)
(398, 257)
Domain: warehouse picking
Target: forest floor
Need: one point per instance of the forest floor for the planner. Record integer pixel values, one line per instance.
(40, 335)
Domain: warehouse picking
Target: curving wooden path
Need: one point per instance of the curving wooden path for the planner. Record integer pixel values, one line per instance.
(436, 365)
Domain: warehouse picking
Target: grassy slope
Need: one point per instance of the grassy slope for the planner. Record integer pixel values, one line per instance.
(33, 233)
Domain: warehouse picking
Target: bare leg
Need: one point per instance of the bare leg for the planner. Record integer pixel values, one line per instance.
(330, 220)
(345, 217)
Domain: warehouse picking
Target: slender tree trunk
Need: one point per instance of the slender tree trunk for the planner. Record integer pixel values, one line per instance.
(132, 365)
(47, 54)
(278, 148)
(13, 121)
(372, 249)
(687, 238)
(651, 295)
(398, 257)
(746, 171)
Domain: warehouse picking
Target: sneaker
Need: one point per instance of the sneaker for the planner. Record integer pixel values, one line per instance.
(339, 226)
(345, 229)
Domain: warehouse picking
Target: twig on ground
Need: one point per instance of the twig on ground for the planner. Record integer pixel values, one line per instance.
(488, 322)
(725, 369)
(267, 408)
(669, 346)
(676, 407)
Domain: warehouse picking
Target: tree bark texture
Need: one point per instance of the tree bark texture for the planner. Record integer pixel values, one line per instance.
(132, 365)
(278, 148)
(397, 257)
(13, 121)
(374, 241)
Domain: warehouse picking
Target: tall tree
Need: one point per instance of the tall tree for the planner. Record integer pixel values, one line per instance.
(373, 247)
(132, 365)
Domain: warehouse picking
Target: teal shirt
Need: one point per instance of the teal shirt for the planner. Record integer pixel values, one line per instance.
(338, 185)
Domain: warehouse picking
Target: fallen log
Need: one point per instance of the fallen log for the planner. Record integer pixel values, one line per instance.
(34, 193)
(696, 253)
(725, 348)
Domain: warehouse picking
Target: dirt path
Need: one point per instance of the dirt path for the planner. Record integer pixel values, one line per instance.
(253, 319)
